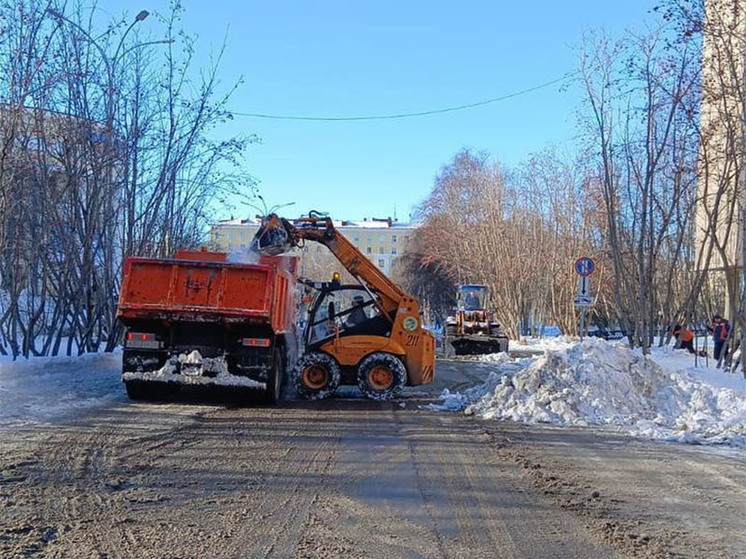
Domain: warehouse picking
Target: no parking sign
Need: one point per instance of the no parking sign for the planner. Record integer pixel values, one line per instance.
(585, 266)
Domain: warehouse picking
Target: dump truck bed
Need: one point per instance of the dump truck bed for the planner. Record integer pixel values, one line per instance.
(208, 290)
(200, 321)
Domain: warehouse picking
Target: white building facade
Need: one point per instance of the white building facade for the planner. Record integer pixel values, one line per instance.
(382, 241)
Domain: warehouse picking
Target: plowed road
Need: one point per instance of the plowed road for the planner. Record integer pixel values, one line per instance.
(353, 478)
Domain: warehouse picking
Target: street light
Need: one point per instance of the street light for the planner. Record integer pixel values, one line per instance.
(109, 62)
(138, 18)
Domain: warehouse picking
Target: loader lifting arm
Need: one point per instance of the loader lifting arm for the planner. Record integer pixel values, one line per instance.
(278, 235)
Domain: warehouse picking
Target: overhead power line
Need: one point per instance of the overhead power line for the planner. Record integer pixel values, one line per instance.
(404, 115)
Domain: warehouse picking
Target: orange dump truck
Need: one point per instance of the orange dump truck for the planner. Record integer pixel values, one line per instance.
(200, 320)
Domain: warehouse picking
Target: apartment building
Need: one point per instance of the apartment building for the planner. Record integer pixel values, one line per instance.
(720, 181)
(381, 240)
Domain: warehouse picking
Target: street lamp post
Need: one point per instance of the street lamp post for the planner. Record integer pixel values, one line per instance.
(110, 62)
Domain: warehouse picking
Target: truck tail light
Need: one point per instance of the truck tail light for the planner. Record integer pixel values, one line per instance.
(255, 342)
(140, 336)
(142, 340)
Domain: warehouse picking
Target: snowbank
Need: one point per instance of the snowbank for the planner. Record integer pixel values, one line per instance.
(596, 383)
(501, 357)
(530, 346)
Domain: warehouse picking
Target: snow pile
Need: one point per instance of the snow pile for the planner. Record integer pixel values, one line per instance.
(457, 401)
(532, 345)
(600, 384)
(499, 358)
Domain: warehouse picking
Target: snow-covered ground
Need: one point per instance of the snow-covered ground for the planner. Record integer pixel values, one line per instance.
(47, 388)
(598, 383)
(530, 346)
(593, 383)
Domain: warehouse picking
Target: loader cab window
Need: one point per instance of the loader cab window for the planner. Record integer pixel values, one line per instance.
(319, 325)
(472, 298)
(354, 313)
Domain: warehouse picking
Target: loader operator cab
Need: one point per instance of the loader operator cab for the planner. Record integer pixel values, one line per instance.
(473, 297)
(346, 308)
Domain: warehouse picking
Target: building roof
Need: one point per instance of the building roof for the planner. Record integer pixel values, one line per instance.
(365, 223)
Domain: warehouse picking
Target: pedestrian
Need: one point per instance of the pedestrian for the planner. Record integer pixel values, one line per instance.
(685, 338)
(720, 331)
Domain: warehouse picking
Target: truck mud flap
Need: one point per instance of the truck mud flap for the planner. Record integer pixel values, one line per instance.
(149, 390)
(154, 391)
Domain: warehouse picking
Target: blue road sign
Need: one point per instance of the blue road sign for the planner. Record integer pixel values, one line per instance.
(584, 266)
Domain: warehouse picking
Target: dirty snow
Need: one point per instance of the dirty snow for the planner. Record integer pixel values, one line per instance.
(597, 383)
(43, 389)
(216, 366)
(46, 388)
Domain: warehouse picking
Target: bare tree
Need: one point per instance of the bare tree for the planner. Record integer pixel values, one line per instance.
(640, 96)
(107, 150)
(518, 234)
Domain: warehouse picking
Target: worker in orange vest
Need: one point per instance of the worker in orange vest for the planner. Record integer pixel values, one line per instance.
(685, 337)
(720, 331)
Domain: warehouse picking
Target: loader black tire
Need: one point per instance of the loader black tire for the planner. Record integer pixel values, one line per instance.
(316, 375)
(273, 392)
(381, 376)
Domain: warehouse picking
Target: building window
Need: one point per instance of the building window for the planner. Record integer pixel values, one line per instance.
(243, 246)
(381, 250)
(393, 238)
(382, 239)
(370, 239)
(381, 263)
(243, 235)
(369, 250)
(393, 251)
(357, 239)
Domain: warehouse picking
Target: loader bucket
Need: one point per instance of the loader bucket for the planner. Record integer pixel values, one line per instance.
(479, 345)
(272, 238)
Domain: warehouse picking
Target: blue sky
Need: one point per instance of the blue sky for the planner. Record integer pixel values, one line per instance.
(344, 58)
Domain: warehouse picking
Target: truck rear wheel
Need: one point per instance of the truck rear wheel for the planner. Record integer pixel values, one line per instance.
(273, 391)
(380, 376)
(316, 375)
